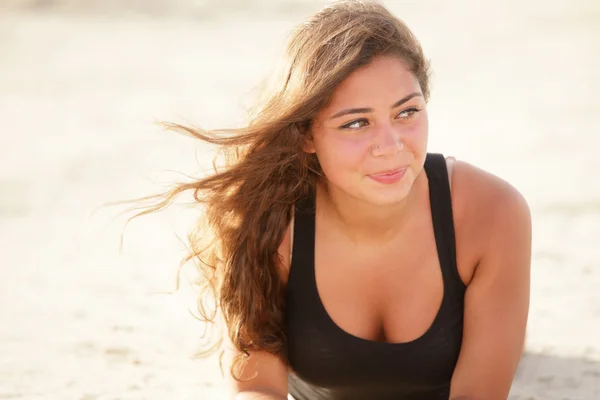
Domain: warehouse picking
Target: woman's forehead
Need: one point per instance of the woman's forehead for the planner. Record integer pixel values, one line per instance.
(385, 79)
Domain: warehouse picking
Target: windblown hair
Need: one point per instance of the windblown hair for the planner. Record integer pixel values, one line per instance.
(248, 202)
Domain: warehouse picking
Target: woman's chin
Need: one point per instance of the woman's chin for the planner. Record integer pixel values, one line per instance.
(388, 193)
(387, 196)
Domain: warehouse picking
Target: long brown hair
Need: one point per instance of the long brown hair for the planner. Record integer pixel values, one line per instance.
(248, 202)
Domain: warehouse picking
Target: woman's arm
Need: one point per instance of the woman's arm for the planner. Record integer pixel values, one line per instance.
(497, 298)
(254, 395)
(264, 377)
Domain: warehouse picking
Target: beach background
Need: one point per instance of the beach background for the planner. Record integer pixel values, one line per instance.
(82, 83)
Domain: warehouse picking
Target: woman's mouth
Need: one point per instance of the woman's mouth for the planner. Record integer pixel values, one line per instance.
(389, 177)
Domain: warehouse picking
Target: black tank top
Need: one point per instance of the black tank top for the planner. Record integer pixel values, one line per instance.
(327, 363)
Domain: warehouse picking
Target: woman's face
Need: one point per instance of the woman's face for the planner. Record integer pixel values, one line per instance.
(371, 139)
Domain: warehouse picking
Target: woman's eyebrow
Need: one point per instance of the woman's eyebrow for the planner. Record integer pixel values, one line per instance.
(362, 110)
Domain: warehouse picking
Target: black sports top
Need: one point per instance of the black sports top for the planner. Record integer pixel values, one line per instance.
(327, 363)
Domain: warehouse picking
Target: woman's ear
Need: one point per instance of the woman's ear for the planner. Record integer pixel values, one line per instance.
(309, 145)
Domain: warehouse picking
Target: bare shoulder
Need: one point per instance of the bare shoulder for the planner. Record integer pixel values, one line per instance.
(486, 209)
(483, 192)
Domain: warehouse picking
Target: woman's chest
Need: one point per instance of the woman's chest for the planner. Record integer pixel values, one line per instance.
(329, 355)
(360, 318)
(388, 294)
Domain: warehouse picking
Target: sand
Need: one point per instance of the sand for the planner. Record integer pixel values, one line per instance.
(81, 85)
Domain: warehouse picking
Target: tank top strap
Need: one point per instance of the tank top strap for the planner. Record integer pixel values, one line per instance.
(440, 199)
(303, 246)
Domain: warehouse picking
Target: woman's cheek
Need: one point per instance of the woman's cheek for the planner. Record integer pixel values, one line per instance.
(343, 156)
(420, 130)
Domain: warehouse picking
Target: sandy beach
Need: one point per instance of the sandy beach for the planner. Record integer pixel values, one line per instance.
(82, 85)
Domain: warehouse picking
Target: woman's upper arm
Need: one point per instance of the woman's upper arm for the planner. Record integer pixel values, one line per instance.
(496, 300)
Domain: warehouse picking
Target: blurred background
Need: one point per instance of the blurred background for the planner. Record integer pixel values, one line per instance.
(82, 84)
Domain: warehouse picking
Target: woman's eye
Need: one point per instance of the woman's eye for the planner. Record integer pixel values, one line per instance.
(359, 123)
(409, 113)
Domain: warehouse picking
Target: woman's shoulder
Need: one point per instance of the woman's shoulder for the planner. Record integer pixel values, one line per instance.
(483, 203)
(473, 186)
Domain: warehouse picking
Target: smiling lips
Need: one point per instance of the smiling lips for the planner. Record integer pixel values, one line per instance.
(390, 176)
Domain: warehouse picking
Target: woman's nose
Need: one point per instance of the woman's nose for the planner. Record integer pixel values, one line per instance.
(387, 142)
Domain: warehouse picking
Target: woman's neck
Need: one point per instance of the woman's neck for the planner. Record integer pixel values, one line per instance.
(366, 223)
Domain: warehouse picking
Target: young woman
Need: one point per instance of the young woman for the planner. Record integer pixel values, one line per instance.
(346, 261)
